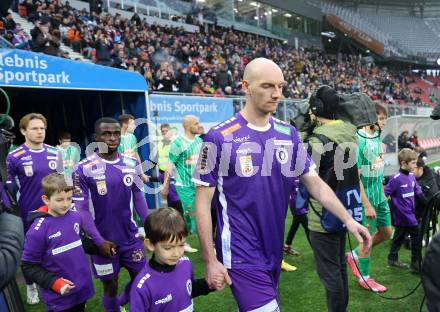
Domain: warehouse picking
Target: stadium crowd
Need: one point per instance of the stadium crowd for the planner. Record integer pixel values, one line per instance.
(209, 62)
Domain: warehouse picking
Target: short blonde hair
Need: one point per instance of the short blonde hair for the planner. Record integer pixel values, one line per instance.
(24, 121)
(407, 155)
(54, 183)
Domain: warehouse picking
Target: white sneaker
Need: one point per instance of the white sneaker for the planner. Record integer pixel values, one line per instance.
(189, 249)
(32, 294)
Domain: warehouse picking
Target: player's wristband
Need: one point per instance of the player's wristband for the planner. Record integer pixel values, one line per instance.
(59, 283)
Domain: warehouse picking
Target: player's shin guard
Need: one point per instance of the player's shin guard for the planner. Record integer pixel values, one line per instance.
(111, 304)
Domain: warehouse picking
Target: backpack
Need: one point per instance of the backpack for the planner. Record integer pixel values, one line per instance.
(347, 190)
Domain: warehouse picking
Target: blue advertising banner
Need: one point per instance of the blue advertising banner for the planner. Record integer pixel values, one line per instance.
(35, 70)
(171, 109)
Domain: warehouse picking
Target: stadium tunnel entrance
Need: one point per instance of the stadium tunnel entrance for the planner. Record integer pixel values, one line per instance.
(71, 95)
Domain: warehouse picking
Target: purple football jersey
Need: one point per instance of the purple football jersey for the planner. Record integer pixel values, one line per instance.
(110, 189)
(154, 291)
(253, 170)
(26, 168)
(55, 244)
(402, 188)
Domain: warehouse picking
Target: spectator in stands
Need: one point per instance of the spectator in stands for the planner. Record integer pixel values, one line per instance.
(184, 79)
(403, 141)
(103, 48)
(74, 38)
(166, 82)
(223, 78)
(21, 40)
(9, 22)
(9, 36)
(96, 6)
(44, 41)
(414, 140)
(390, 141)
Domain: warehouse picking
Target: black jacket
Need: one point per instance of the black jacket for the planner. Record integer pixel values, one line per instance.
(428, 182)
(11, 246)
(431, 275)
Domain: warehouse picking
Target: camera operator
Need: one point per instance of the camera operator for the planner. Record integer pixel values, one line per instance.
(11, 231)
(431, 264)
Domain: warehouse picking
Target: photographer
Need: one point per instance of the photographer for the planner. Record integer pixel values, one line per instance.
(11, 232)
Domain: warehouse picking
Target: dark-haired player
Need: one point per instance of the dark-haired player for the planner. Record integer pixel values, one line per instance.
(110, 182)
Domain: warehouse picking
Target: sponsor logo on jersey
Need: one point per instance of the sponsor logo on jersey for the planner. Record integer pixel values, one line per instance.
(410, 194)
(283, 142)
(247, 169)
(166, 299)
(57, 234)
(282, 155)
(103, 269)
(28, 171)
(231, 129)
(192, 160)
(189, 286)
(90, 164)
(282, 129)
(67, 247)
(76, 227)
(28, 157)
(242, 139)
(19, 153)
(76, 189)
(203, 160)
(101, 186)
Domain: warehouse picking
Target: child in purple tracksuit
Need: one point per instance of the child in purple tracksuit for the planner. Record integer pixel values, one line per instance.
(54, 255)
(403, 188)
(166, 283)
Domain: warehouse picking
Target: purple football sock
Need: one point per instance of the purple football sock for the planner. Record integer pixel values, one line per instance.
(123, 299)
(110, 304)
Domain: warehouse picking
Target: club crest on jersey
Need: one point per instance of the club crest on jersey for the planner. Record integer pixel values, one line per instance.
(128, 179)
(101, 187)
(247, 169)
(76, 227)
(137, 255)
(189, 286)
(28, 171)
(53, 164)
(282, 155)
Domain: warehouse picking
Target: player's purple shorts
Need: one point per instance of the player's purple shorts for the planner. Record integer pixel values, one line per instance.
(130, 256)
(255, 289)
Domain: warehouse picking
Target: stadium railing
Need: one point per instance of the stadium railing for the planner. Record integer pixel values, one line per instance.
(5, 43)
(288, 109)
